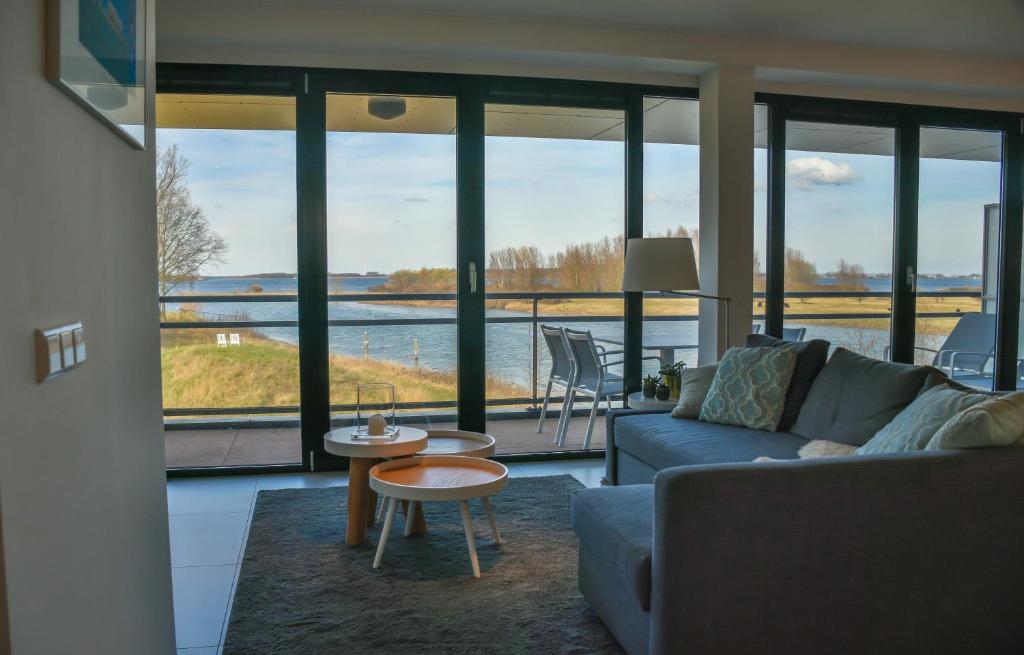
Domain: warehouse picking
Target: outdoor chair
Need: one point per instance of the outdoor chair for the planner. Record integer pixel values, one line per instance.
(967, 354)
(789, 334)
(591, 378)
(561, 373)
(236, 340)
(222, 340)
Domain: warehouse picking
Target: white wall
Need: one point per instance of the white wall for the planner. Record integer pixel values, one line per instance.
(256, 32)
(84, 514)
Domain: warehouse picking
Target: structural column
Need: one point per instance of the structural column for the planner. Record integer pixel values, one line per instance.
(726, 206)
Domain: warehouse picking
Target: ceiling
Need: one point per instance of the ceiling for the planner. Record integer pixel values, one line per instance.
(665, 121)
(988, 27)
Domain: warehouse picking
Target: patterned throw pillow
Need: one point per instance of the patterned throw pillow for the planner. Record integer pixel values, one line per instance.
(750, 387)
(694, 384)
(915, 426)
(995, 422)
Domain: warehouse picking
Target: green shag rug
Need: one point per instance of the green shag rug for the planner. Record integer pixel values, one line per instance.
(302, 590)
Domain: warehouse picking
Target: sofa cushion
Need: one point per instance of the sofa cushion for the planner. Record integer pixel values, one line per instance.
(694, 384)
(997, 421)
(750, 387)
(661, 441)
(616, 524)
(810, 358)
(855, 396)
(915, 426)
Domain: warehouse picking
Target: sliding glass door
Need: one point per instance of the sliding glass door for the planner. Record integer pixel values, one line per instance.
(554, 238)
(839, 203)
(391, 253)
(958, 252)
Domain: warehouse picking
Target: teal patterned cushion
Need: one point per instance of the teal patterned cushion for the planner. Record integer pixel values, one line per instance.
(750, 387)
(915, 426)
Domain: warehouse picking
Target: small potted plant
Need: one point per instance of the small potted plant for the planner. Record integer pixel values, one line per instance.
(662, 391)
(670, 376)
(650, 386)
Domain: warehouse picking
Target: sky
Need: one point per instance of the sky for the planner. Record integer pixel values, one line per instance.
(392, 200)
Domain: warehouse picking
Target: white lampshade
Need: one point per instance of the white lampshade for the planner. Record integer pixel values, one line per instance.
(660, 264)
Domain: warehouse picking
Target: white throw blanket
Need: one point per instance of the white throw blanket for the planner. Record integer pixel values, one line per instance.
(818, 448)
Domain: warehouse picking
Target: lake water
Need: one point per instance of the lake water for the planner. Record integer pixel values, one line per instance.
(509, 345)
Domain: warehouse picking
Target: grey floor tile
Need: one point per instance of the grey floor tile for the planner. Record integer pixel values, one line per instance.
(199, 651)
(210, 495)
(207, 539)
(201, 596)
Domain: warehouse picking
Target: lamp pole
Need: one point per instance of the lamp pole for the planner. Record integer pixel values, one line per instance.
(724, 299)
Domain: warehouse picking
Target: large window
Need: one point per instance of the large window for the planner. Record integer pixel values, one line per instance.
(671, 209)
(958, 252)
(554, 241)
(391, 253)
(227, 252)
(839, 234)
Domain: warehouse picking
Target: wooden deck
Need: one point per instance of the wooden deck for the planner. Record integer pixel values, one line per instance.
(262, 446)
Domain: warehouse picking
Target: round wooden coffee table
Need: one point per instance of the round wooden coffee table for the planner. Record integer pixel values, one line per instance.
(363, 454)
(439, 478)
(458, 442)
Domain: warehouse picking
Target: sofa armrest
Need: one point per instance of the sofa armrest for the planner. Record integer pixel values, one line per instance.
(610, 473)
(916, 552)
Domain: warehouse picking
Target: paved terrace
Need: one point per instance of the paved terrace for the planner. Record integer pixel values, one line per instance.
(260, 446)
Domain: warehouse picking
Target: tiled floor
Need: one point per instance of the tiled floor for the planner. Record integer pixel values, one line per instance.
(209, 521)
(257, 446)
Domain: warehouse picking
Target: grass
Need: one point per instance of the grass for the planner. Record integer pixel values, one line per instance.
(263, 372)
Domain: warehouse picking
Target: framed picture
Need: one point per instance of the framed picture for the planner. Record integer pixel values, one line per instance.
(97, 53)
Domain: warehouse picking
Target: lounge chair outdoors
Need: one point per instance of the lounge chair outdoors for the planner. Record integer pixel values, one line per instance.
(222, 340)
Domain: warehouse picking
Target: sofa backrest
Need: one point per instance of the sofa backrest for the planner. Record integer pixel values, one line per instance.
(856, 396)
(810, 358)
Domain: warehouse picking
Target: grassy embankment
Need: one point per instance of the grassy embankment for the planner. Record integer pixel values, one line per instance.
(263, 372)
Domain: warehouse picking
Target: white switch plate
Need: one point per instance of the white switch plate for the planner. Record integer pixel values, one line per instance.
(57, 350)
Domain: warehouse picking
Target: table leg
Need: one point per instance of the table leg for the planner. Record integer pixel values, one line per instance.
(419, 523)
(392, 504)
(490, 519)
(358, 490)
(413, 511)
(467, 525)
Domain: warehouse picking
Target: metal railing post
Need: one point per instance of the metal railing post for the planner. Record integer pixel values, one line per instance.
(533, 323)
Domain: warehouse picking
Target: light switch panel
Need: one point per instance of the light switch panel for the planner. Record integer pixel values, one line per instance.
(79, 338)
(59, 349)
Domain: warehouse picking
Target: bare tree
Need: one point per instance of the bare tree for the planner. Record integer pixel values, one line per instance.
(800, 272)
(850, 277)
(185, 241)
(516, 269)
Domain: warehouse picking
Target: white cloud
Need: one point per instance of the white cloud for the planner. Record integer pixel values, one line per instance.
(808, 172)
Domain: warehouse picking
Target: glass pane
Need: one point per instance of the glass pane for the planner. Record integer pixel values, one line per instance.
(226, 219)
(391, 253)
(760, 213)
(671, 209)
(554, 238)
(839, 231)
(958, 242)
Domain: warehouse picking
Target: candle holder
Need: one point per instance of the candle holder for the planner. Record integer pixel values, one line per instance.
(375, 411)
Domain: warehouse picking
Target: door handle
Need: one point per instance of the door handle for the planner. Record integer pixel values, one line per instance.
(911, 279)
(472, 277)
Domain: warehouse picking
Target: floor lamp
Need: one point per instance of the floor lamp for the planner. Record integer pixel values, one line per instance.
(666, 265)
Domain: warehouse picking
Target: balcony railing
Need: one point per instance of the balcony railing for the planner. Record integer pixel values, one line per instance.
(529, 403)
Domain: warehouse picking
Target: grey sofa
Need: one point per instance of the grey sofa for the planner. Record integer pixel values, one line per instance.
(697, 550)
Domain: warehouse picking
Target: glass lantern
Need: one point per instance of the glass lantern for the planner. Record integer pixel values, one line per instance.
(375, 411)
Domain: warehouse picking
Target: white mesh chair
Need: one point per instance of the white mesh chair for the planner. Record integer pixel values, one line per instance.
(562, 370)
(591, 378)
